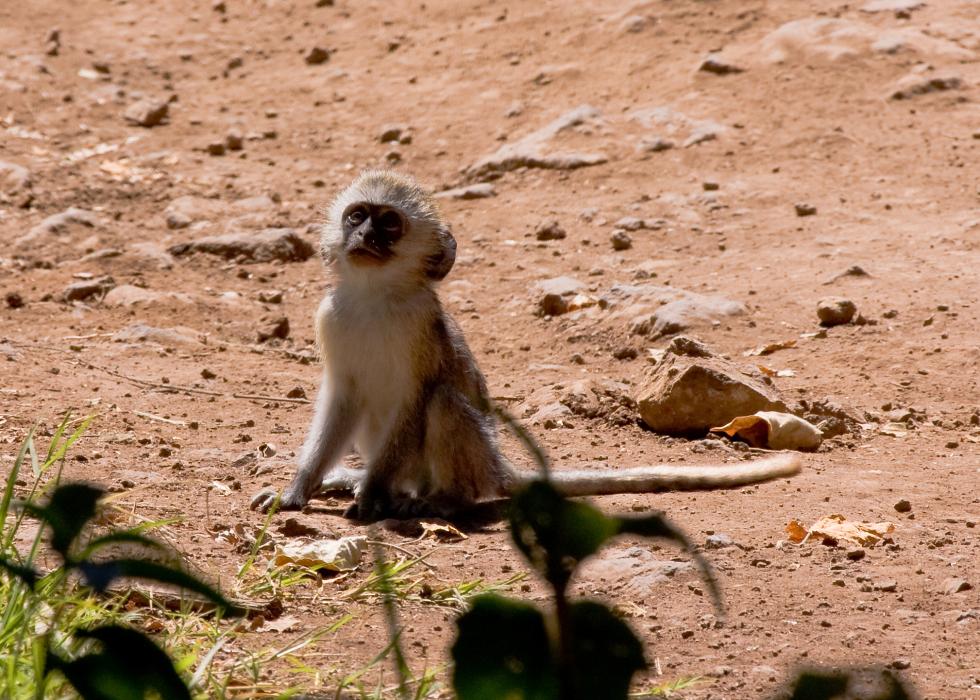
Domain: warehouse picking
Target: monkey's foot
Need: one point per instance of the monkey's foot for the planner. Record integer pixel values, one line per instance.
(264, 500)
(400, 508)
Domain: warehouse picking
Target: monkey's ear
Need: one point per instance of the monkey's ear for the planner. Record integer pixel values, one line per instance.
(438, 265)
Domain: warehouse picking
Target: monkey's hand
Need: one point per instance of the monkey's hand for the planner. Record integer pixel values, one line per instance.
(264, 500)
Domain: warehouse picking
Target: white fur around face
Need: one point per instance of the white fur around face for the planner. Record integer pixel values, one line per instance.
(411, 250)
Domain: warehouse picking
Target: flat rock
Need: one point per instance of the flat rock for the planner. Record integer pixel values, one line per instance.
(86, 289)
(917, 84)
(654, 311)
(481, 190)
(129, 295)
(672, 123)
(58, 225)
(147, 113)
(555, 293)
(16, 182)
(634, 571)
(142, 333)
(283, 244)
(892, 6)
(529, 152)
(688, 396)
(715, 63)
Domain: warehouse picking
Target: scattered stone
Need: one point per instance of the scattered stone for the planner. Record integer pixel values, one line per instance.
(52, 43)
(626, 352)
(804, 209)
(654, 145)
(297, 392)
(710, 186)
(273, 327)
(688, 347)
(914, 85)
(283, 244)
(903, 506)
(718, 541)
(208, 374)
(396, 133)
(59, 225)
(147, 113)
(556, 293)
(853, 271)
(620, 240)
(14, 300)
(215, 148)
(900, 664)
(270, 296)
(719, 66)
(952, 586)
(631, 223)
(528, 152)
(15, 185)
(549, 230)
(234, 141)
(219, 6)
(688, 396)
(85, 289)
(316, 56)
(835, 311)
(855, 554)
(886, 586)
(478, 191)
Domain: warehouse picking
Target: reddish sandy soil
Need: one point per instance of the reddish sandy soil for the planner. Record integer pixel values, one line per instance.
(810, 119)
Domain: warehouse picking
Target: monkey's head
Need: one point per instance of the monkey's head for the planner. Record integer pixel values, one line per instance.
(385, 223)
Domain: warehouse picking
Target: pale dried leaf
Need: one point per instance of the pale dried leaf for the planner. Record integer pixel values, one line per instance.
(774, 430)
(283, 624)
(836, 527)
(770, 348)
(441, 530)
(333, 555)
(898, 430)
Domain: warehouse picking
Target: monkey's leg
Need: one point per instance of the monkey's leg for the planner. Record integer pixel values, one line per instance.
(329, 439)
(343, 479)
(400, 461)
(462, 454)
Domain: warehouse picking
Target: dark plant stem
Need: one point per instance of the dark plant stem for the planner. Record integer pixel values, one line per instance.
(565, 656)
(391, 617)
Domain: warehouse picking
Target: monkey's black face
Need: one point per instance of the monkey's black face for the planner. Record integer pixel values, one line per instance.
(371, 232)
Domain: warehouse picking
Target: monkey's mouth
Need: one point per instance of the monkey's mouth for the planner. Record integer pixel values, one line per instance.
(363, 255)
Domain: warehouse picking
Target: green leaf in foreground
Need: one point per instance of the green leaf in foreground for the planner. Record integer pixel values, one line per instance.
(70, 507)
(127, 667)
(502, 652)
(605, 652)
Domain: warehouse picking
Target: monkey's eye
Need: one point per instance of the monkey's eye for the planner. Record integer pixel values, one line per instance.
(356, 217)
(390, 223)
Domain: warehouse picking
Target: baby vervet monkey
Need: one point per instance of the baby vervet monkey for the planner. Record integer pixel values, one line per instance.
(401, 386)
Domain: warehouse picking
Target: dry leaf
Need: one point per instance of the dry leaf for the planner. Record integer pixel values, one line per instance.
(282, 624)
(785, 373)
(836, 527)
(898, 430)
(770, 348)
(333, 555)
(441, 530)
(774, 430)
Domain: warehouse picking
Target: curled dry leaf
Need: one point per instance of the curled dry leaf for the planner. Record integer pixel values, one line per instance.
(770, 348)
(774, 430)
(333, 555)
(242, 537)
(837, 528)
(898, 430)
(581, 301)
(441, 530)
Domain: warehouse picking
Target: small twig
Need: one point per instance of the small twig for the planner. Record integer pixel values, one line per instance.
(151, 416)
(407, 552)
(259, 397)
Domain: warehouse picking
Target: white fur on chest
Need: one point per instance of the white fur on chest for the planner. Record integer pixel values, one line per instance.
(367, 352)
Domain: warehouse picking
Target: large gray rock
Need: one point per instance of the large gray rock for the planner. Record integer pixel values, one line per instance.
(262, 246)
(555, 293)
(687, 395)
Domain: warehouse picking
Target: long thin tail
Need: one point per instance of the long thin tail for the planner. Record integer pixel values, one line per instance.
(666, 477)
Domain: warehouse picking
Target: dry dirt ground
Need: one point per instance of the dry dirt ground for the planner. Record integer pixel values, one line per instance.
(812, 117)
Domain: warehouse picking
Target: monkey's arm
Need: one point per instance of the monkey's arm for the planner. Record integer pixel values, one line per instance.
(329, 438)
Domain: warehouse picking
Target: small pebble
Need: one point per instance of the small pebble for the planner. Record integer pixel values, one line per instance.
(316, 56)
(903, 506)
(620, 240)
(549, 231)
(803, 209)
(835, 311)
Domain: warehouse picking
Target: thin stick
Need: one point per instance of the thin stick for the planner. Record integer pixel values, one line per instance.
(151, 416)
(259, 397)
